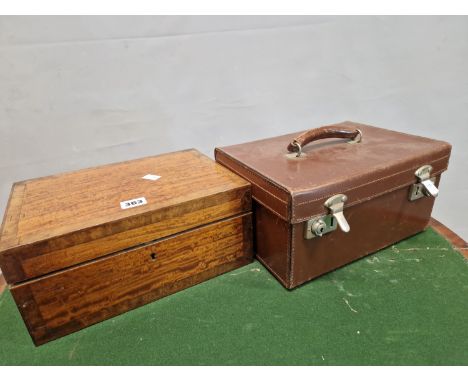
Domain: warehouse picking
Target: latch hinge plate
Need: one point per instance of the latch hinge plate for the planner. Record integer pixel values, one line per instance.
(426, 185)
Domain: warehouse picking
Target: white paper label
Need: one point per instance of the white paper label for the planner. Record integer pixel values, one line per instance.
(133, 203)
(151, 177)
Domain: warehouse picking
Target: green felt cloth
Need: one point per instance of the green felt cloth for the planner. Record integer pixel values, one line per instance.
(407, 304)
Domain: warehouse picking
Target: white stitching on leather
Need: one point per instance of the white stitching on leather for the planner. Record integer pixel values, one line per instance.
(255, 173)
(269, 267)
(365, 184)
(291, 237)
(366, 198)
(294, 205)
(276, 197)
(269, 208)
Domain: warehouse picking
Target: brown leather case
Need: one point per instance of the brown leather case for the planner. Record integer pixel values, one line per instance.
(373, 167)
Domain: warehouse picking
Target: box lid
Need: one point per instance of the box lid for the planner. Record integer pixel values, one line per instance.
(57, 221)
(295, 188)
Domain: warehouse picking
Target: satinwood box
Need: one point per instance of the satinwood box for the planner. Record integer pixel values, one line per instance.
(80, 247)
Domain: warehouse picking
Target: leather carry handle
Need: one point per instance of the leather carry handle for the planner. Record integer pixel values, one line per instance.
(331, 131)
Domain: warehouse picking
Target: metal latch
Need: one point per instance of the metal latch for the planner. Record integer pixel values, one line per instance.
(426, 185)
(327, 223)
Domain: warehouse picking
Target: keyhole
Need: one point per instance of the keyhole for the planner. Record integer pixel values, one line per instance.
(153, 256)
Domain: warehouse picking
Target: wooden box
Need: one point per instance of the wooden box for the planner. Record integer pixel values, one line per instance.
(321, 202)
(80, 247)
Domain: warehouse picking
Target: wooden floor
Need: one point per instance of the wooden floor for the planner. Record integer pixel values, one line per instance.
(457, 243)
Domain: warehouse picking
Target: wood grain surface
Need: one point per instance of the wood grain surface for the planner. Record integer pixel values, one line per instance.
(69, 300)
(62, 220)
(457, 242)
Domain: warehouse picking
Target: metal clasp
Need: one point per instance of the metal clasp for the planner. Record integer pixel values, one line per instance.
(299, 148)
(335, 204)
(426, 185)
(324, 224)
(357, 138)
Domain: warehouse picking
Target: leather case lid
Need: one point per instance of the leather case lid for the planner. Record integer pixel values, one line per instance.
(296, 188)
